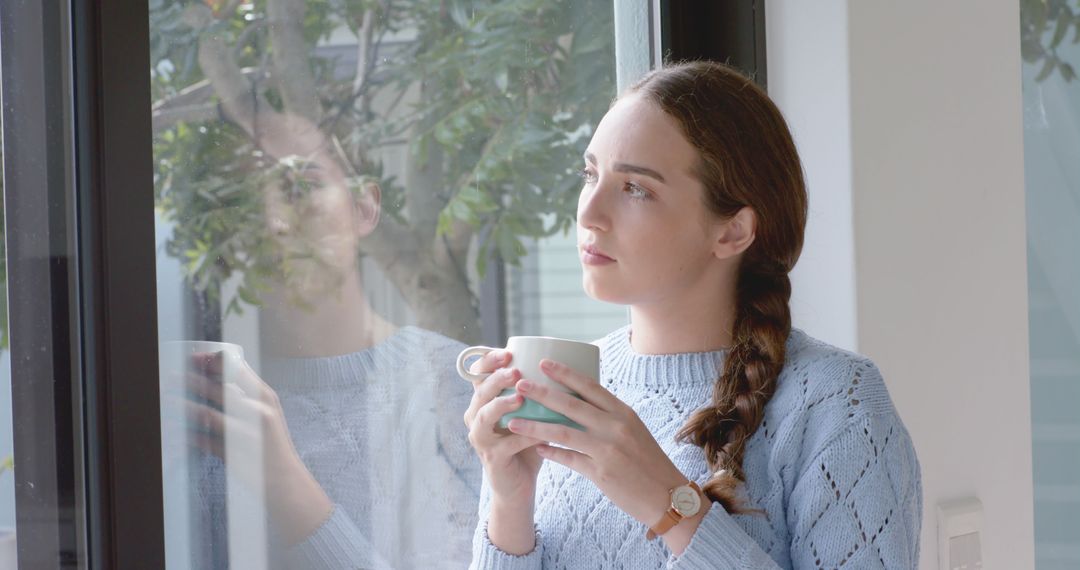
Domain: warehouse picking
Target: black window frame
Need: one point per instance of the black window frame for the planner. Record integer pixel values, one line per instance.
(80, 236)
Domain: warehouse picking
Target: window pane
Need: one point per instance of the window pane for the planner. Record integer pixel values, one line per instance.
(7, 447)
(40, 372)
(1052, 178)
(339, 186)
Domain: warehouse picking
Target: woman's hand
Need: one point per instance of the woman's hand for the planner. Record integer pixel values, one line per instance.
(248, 410)
(616, 450)
(510, 461)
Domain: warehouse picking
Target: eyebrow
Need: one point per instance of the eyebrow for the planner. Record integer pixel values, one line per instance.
(632, 168)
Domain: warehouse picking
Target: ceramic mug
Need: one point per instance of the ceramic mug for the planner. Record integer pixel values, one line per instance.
(248, 534)
(526, 352)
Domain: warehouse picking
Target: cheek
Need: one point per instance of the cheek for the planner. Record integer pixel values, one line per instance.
(661, 265)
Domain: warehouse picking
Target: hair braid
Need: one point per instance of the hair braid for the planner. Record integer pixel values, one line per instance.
(747, 383)
(747, 159)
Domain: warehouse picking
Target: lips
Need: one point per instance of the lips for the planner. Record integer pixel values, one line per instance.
(592, 255)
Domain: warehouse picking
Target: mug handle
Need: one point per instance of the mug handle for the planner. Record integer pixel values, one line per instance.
(467, 354)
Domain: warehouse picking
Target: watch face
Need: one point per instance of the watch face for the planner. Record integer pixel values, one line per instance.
(686, 500)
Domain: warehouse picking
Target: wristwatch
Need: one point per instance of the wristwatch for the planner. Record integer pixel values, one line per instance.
(685, 502)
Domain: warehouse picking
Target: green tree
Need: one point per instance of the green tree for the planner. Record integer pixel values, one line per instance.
(1044, 25)
(497, 99)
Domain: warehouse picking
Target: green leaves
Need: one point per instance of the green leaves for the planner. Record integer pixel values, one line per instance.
(1060, 29)
(534, 76)
(1044, 25)
(491, 100)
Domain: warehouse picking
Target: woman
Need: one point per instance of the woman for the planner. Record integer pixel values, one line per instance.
(741, 442)
(349, 449)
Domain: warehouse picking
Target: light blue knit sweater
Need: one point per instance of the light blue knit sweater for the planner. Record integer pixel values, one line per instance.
(832, 467)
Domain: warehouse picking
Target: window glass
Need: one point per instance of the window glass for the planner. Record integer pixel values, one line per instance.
(7, 448)
(1051, 54)
(348, 194)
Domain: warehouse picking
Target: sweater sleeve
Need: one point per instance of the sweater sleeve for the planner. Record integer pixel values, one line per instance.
(462, 488)
(338, 543)
(857, 503)
(487, 556)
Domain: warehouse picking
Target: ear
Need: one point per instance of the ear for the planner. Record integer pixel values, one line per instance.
(367, 206)
(735, 234)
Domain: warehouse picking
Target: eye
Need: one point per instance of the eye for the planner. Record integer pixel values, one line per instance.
(587, 175)
(636, 191)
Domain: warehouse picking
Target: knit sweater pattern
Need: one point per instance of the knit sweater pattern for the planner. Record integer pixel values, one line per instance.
(831, 467)
(381, 431)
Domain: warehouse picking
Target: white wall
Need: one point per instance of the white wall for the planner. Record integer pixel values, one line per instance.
(936, 195)
(807, 55)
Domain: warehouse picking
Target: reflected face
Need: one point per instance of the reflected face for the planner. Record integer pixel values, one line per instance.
(644, 232)
(312, 213)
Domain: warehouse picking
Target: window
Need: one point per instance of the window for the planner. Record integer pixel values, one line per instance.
(347, 195)
(1051, 175)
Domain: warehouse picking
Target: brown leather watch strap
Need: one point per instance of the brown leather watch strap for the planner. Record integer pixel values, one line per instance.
(667, 522)
(670, 518)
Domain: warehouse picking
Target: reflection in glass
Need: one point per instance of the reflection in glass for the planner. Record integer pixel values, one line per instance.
(1050, 35)
(333, 180)
(7, 447)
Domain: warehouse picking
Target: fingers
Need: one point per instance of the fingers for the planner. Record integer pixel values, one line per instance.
(209, 362)
(211, 365)
(242, 411)
(204, 418)
(513, 444)
(486, 391)
(482, 430)
(491, 446)
(559, 401)
(557, 433)
(203, 389)
(490, 362)
(574, 460)
(588, 388)
(495, 383)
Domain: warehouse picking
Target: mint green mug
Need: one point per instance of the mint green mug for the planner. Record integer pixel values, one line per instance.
(526, 352)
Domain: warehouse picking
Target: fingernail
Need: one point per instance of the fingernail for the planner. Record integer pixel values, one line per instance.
(547, 364)
(525, 386)
(514, 425)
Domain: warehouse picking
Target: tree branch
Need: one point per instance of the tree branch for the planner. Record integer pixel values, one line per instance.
(393, 246)
(201, 91)
(290, 59)
(193, 103)
(364, 52)
(239, 101)
(167, 118)
(456, 243)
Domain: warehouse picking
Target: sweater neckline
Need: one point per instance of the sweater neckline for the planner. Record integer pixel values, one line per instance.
(314, 373)
(627, 336)
(620, 363)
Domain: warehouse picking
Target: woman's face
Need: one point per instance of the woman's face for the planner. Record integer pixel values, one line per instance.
(644, 233)
(313, 215)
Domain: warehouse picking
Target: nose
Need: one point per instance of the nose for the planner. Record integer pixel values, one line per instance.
(593, 211)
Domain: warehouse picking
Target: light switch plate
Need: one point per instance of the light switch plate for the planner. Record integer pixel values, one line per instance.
(960, 526)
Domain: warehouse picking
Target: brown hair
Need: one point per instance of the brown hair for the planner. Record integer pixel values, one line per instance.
(746, 158)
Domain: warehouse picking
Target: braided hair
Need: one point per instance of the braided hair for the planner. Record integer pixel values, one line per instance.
(747, 158)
